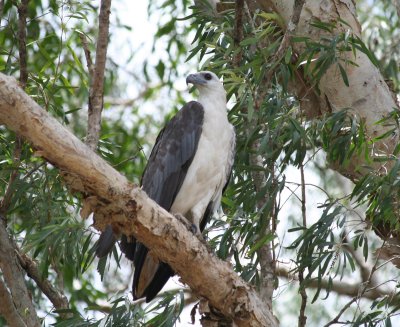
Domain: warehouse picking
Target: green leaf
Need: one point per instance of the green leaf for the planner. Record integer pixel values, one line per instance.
(344, 75)
(263, 240)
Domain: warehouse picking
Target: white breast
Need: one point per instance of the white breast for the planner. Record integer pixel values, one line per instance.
(210, 168)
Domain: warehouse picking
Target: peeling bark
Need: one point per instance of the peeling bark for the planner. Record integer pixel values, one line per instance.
(128, 209)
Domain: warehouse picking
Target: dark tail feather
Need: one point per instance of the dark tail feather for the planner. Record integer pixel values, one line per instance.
(161, 277)
(163, 273)
(128, 247)
(105, 242)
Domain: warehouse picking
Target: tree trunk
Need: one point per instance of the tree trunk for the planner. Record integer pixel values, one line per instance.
(367, 95)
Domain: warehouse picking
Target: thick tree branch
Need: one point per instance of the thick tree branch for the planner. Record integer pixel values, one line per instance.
(97, 79)
(14, 279)
(127, 208)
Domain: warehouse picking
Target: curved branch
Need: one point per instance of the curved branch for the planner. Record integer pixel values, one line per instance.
(339, 287)
(127, 208)
(56, 297)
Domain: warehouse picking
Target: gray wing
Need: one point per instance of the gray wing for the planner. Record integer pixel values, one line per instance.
(172, 155)
(162, 179)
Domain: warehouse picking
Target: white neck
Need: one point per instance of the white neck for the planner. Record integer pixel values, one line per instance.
(214, 100)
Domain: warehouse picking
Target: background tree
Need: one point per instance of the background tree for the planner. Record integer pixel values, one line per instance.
(307, 93)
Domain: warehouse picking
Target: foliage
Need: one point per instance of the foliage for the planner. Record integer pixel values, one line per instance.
(273, 137)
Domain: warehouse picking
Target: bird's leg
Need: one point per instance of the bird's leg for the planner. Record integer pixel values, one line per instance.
(193, 228)
(190, 227)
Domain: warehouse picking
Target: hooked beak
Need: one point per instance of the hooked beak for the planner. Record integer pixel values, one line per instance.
(195, 79)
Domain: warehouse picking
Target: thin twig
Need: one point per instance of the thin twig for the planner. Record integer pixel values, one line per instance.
(397, 5)
(302, 317)
(238, 31)
(23, 79)
(358, 296)
(88, 56)
(8, 194)
(265, 253)
(336, 319)
(97, 79)
(55, 296)
(290, 30)
(1, 9)
(340, 287)
(23, 71)
(303, 196)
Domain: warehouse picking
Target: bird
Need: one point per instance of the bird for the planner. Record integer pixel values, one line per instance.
(187, 172)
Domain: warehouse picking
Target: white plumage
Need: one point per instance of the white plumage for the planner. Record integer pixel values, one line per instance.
(212, 163)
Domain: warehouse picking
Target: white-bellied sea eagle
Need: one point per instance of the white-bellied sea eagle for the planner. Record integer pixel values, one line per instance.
(187, 172)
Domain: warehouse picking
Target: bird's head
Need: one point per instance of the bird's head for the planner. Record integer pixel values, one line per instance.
(206, 82)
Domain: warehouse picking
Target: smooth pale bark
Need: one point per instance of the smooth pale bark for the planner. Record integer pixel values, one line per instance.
(118, 202)
(368, 95)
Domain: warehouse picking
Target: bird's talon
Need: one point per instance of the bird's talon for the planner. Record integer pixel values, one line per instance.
(194, 229)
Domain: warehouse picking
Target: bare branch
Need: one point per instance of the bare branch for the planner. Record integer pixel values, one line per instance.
(128, 209)
(290, 30)
(238, 32)
(397, 5)
(7, 307)
(1, 9)
(97, 79)
(266, 258)
(339, 287)
(14, 279)
(88, 56)
(8, 194)
(359, 295)
(336, 319)
(23, 78)
(302, 290)
(56, 297)
(22, 12)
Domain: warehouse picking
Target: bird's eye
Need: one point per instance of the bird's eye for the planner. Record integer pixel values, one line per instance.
(207, 76)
